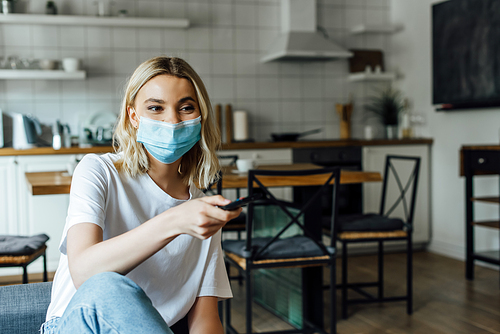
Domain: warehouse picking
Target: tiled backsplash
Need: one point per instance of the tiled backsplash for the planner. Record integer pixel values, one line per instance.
(224, 44)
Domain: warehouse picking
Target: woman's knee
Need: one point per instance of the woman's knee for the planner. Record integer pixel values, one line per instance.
(110, 283)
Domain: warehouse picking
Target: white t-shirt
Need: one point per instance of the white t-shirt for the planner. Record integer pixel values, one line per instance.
(173, 277)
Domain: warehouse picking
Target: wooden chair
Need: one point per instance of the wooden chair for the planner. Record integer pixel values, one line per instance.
(23, 251)
(380, 228)
(291, 240)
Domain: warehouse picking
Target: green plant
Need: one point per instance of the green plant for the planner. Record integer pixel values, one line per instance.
(387, 105)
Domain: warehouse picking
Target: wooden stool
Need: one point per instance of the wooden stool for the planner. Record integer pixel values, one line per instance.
(24, 261)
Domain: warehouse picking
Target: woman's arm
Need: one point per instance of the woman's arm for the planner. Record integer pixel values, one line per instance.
(203, 318)
(88, 254)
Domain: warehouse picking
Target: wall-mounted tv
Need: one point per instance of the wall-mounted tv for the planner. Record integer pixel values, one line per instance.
(466, 54)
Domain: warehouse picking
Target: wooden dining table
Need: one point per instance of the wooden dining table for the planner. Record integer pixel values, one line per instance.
(59, 182)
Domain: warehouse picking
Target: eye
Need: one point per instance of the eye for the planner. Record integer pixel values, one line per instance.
(188, 108)
(155, 108)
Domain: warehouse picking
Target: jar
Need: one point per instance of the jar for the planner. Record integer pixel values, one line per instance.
(7, 6)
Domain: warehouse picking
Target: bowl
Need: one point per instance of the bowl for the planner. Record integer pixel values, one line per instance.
(47, 64)
(71, 64)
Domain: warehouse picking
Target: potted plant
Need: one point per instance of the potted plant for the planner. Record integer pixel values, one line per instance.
(387, 106)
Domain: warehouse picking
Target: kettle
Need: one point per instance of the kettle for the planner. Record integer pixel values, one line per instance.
(25, 131)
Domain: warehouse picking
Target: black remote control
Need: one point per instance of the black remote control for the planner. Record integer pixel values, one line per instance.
(241, 202)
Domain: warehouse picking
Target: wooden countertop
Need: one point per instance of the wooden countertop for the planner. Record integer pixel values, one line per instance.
(233, 146)
(327, 143)
(492, 147)
(49, 150)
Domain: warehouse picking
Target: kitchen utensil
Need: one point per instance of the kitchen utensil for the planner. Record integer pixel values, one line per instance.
(98, 129)
(240, 125)
(244, 165)
(25, 131)
(229, 124)
(1, 129)
(218, 117)
(292, 136)
(56, 136)
(47, 64)
(51, 8)
(7, 6)
(103, 7)
(71, 64)
(345, 111)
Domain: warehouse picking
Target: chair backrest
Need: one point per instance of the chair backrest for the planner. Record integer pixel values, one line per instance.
(401, 173)
(302, 218)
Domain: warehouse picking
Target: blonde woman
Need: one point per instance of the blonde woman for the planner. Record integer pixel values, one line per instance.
(141, 246)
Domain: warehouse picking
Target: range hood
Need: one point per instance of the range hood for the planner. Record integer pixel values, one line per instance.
(299, 38)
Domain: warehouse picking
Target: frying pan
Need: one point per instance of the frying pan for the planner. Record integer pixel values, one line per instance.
(292, 136)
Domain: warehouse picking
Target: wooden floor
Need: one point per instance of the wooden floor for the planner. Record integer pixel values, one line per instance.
(444, 301)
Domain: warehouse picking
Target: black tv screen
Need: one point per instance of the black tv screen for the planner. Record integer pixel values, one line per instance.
(466, 54)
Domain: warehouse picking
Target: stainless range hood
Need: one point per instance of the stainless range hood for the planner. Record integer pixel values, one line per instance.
(299, 38)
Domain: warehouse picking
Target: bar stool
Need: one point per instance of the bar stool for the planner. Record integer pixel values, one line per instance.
(21, 251)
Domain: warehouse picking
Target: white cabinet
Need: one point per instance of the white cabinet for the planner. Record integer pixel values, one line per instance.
(374, 160)
(8, 195)
(24, 214)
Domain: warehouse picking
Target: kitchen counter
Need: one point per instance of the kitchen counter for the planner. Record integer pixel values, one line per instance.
(232, 146)
(326, 143)
(49, 150)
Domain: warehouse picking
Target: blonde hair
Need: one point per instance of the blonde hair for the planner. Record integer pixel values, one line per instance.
(200, 164)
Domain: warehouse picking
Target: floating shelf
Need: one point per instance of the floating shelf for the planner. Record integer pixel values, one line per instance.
(42, 75)
(376, 29)
(76, 20)
(362, 76)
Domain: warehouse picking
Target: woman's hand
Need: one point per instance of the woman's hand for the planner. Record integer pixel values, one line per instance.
(201, 217)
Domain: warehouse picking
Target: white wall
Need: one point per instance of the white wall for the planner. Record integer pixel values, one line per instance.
(411, 52)
(224, 45)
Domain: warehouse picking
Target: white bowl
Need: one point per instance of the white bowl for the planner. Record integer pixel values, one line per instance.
(71, 64)
(47, 64)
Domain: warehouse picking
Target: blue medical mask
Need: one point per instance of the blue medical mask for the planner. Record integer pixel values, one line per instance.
(167, 142)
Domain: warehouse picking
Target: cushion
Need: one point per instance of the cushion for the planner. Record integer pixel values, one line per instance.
(368, 222)
(286, 248)
(23, 307)
(19, 245)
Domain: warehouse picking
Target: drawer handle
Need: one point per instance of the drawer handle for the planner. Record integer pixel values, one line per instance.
(481, 161)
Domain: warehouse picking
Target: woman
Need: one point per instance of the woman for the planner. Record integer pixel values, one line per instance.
(141, 245)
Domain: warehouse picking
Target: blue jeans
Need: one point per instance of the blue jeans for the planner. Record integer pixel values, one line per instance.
(108, 303)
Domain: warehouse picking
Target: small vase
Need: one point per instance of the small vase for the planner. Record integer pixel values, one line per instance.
(391, 131)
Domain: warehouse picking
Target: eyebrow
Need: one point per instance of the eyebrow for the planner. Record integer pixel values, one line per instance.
(160, 101)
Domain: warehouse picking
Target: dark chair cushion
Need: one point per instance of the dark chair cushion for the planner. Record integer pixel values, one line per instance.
(286, 248)
(23, 307)
(368, 222)
(19, 245)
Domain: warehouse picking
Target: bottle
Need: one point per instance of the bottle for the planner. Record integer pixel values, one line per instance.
(66, 136)
(56, 136)
(51, 8)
